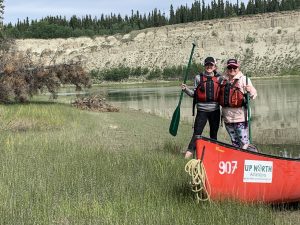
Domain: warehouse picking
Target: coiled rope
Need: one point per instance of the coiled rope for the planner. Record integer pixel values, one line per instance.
(200, 184)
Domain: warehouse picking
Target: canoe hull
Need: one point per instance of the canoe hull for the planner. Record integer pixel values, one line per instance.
(233, 173)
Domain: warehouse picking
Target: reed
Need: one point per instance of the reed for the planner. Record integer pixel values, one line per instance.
(67, 166)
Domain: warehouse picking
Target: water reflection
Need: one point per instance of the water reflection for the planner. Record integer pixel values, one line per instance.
(275, 112)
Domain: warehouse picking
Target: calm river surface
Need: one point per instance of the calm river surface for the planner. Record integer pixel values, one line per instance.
(275, 112)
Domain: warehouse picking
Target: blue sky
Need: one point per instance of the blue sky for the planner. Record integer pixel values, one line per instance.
(37, 9)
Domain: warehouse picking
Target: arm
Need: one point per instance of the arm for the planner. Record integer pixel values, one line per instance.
(248, 88)
(188, 91)
(251, 89)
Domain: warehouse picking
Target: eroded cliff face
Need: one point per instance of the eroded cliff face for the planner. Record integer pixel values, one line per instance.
(263, 43)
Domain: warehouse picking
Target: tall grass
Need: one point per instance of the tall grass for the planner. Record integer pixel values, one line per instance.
(67, 166)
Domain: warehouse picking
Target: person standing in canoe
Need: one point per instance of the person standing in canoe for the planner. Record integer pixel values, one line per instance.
(205, 94)
(232, 99)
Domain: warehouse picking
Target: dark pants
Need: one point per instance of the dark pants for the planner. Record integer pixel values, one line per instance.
(200, 122)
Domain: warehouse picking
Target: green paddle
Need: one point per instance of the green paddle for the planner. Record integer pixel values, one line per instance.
(249, 112)
(176, 115)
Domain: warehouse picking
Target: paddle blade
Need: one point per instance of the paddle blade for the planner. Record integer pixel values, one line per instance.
(175, 122)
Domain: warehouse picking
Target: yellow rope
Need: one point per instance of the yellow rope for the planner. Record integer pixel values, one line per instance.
(200, 185)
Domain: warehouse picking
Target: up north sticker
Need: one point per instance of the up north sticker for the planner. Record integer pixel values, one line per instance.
(256, 171)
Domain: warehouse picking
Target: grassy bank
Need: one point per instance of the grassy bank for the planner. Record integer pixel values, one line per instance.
(60, 165)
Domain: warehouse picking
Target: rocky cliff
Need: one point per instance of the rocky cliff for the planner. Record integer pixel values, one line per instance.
(264, 43)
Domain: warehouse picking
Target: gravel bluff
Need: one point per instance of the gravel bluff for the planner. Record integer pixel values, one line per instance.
(263, 43)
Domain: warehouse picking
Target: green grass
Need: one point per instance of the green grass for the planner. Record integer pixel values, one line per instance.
(60, 165)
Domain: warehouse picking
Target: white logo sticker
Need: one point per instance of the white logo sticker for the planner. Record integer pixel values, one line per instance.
(258, 171)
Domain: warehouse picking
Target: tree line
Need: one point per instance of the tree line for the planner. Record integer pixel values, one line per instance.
(61, 27)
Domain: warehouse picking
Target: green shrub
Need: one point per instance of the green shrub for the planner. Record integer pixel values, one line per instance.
(154, 74)
(171, 73)
(122, 73)
(249, 39)
(145, 71)
(291, 71)
(116, 74)
(96, 76)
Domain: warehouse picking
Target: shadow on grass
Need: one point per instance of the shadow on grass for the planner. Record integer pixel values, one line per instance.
(172, 148)
(184, 193)
(291, 206)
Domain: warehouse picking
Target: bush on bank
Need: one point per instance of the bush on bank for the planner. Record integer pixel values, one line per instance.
(291, 71)
(170, 73)
(122, 73)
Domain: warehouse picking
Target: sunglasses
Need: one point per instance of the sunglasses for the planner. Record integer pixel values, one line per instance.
(209, 64)
(231, 68)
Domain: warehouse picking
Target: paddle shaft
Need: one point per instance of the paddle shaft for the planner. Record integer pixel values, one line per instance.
(249, 112)
(187, 72)
(176, 115)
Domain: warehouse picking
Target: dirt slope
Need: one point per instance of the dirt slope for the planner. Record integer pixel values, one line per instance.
(264, 43)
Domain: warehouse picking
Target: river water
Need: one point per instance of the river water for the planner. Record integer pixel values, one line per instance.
(275, 112)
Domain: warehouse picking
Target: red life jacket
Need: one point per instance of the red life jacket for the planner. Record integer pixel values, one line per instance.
(208, 89)
(230, 95)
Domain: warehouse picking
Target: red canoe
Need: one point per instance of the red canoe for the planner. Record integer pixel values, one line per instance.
(233, 173)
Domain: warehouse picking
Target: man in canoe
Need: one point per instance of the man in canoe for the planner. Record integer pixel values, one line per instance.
(205, 94)
(232, 99)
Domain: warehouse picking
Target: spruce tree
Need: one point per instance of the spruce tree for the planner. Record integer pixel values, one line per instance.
(172, 15)
(1, 13)
(1, 25)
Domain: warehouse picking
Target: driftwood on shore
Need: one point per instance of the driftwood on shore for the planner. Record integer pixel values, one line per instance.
(94, 103)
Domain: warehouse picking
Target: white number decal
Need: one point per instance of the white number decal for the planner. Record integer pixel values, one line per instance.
(227, 167)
